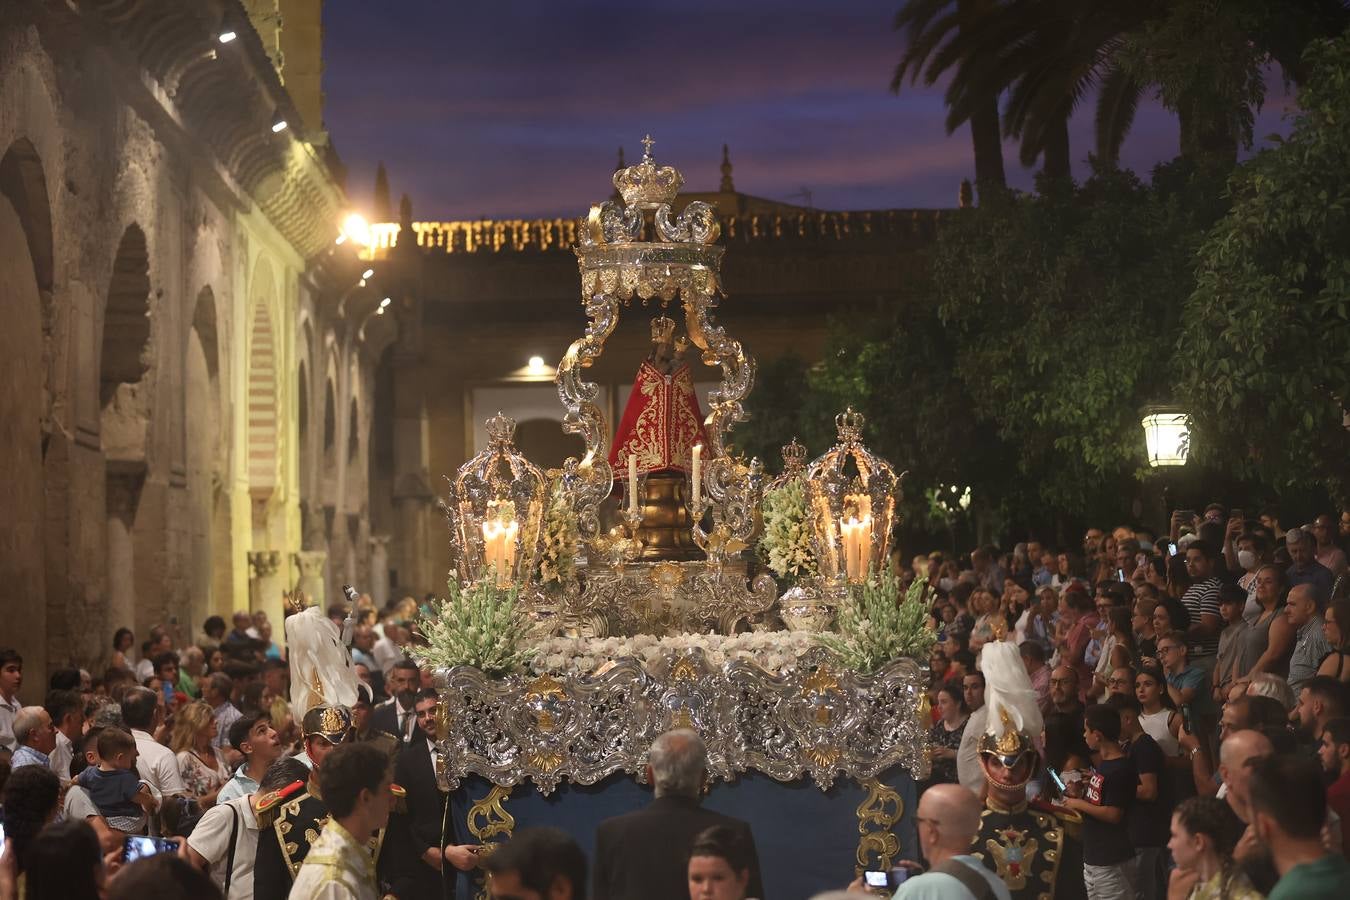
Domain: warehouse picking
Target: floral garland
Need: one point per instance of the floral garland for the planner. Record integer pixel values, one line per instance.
(787, 532)
(557, 557)
(776, 651)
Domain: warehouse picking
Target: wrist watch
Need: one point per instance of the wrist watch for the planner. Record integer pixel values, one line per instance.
(1194, 750)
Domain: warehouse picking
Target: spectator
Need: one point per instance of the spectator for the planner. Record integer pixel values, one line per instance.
(1203, 835)
(1079, 618)
(1121, 681)
(1336, 630)
(1310, 645)
(1320, 700)
(1201, 601)
(541, 862)
(396, 715)
(160, 642)
(944, 738)
(241, 636)
(972, 690)
(988, 574)
(216, 694)
(1033, 657)
(389, 648)
(1065, 748)
(363, 643)
(166, 670)
(1327, 553)
(193, 742)
(158, 765)
(165, 876)
(719, 865)
(1146, 820)
(123, 798)
(255, 739)
(35, 736)
(65, 863)
(11, 679)
(1104, 803)
(1334, 754)
(192, 671)
(646, 853)
(214, 629)
(1253, 552)
(1304, 567)
(948, 820)
(225, 842)
(1186, 684)
(1289, 805)
(123, 640)
(32, 801)
(1233, 657)
(269, 647)
(66, 711)
(1270, 634)
(1145, 638)
(1117, 649)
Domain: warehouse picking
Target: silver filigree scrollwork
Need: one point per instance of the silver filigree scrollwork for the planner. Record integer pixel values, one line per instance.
(815, 720)
(587, 481)
(697, 224)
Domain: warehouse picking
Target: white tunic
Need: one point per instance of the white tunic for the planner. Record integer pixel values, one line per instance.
(337, 867)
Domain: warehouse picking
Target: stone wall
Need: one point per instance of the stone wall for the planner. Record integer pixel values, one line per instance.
(156, 324)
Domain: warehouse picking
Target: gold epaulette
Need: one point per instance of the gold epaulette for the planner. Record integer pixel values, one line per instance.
(267, 806)
(400, 797)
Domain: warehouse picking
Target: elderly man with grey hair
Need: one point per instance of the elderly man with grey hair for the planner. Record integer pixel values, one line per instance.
(644, 855)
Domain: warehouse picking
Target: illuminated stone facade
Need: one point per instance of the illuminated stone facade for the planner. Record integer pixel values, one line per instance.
(187, 391)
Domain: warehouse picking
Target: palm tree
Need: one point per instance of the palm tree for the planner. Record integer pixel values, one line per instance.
(928, 23)
(1045, 56)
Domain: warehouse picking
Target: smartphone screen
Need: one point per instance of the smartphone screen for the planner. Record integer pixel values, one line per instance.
(139, 846)
(1171, 549)
(1120, 574)
(875, 879)
(1054, 776)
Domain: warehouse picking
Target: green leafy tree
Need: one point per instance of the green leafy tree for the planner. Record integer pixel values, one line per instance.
(1264, 355)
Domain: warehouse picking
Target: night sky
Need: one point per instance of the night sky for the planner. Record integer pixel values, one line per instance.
(517, 108)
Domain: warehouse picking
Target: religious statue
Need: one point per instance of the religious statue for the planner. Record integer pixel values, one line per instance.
(661, 425)
(1033, 846)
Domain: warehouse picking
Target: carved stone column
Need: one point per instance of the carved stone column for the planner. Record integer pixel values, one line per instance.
(379, 569)
(264, 579)
(124, 482)
(311, 565)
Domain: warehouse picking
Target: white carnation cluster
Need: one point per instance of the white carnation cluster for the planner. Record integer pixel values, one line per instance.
(787, 533)
(775, 651)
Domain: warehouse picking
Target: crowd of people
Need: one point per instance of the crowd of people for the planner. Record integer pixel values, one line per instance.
(1187, 737)
(1193, 689)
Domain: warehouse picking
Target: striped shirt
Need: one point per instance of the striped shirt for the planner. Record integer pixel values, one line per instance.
(1202, 599)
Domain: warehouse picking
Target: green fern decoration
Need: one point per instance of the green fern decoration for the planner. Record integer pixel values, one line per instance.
(875, 626)
(481, 626)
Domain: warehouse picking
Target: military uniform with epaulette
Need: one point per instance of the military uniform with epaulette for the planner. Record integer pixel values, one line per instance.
(291, 820)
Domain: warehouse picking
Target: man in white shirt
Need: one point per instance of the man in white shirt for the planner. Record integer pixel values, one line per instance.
(233, 824)
(67, 711)
(256, 739)
(142, 713)
(389, 648)
(11, 679)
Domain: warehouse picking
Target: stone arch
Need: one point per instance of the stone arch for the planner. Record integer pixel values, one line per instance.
(24, 184)
(209, 574)
(354, 433)
(22, 498)
(124, 353)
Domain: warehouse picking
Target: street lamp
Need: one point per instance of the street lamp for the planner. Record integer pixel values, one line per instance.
(1167, 435)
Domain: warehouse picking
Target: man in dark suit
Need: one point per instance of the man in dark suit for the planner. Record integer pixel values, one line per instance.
(396, 715)
(644, 855)
(429, 858)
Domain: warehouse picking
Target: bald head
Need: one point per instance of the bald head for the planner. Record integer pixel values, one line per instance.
(1236, 755)
(956, 812)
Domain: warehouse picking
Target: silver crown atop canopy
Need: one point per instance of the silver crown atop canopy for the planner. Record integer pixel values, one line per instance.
(501, 430)
(646, 184)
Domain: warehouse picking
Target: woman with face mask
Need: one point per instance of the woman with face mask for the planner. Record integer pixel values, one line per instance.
(1252, 553)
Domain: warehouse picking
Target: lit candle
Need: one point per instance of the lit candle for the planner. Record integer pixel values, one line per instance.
(632, 482)
(490, 544)
(508, 553)
(864, 546)
(697, 471)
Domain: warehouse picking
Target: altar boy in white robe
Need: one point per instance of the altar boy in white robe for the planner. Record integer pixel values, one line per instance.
(356, 780)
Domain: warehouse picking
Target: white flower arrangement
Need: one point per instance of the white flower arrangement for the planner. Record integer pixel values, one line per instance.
(481, 626)
(876, 625)
(776, 651)
(557, 558)
(787, 532)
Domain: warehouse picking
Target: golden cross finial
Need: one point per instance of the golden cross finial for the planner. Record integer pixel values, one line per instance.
(647, 148)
